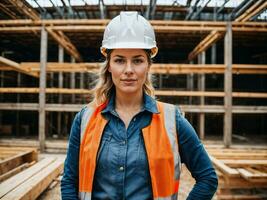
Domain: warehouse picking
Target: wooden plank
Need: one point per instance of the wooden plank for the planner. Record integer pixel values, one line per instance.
(243, 17)
(257, 177)
(35, 185)
(16, 66)
(261, 8)
(20, 178)
(25, 8)
(16, 160)
(14, 171)
(244, 163)
(242, 197)
(156, 68)
(224, 168)
(186, 108)
(157, 92)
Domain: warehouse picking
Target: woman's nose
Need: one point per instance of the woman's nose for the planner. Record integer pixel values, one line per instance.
(128, 67)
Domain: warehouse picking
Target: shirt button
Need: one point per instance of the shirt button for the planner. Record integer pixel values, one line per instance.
(121, 168)
(134, 119)
(124, 142)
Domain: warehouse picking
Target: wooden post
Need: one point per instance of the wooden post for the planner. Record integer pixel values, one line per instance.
(213, 54)
(72, 81)
(201, 87)
(60, 85)
(82, 85)
(43, 61)
(190, 87)
(18, 100)
(227, 135)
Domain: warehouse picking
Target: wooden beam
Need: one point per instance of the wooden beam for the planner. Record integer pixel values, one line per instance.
(7, 11)
(211, 38)
(99, 26)
(18, 159)
(255, 12)
(16, 66)
(25, 9)
(186, 108)
(250, 12)
(13, 182)
(157, 92)
(35, 185)
(231, 172)
(155, 68)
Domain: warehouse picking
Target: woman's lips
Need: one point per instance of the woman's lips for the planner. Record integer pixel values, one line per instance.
(128, 81)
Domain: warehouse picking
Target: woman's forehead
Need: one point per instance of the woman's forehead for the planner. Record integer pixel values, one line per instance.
(128, 52)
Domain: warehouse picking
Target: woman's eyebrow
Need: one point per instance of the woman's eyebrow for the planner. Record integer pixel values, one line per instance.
(119, 56)
(138, 56)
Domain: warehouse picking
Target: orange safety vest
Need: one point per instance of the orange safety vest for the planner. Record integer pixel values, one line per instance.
(161, 145)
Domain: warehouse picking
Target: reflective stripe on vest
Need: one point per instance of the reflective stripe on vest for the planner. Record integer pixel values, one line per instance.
(161, 144)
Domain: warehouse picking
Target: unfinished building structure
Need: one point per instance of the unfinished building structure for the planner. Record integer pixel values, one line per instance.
(212, 62)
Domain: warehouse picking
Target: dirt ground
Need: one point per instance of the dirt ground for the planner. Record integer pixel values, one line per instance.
(187, 183)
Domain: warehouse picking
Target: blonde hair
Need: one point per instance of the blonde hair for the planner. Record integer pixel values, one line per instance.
(104, 84)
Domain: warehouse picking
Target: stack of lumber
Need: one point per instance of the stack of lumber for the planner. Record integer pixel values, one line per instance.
(32, 181)
(15, 159)
(242, 172)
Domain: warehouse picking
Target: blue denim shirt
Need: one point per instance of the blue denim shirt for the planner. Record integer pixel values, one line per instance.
(122, 168)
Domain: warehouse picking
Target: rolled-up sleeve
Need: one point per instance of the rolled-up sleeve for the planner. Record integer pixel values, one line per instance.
(70, 180)
(196, 159)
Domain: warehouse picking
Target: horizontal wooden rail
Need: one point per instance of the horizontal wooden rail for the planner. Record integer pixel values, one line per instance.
(184, 108)
(160, 26)
(156, 68)
(157, 92)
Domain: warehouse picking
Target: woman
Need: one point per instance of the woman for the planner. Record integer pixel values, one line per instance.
(125, 144)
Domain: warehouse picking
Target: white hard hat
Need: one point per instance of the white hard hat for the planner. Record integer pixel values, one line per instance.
(129, 31)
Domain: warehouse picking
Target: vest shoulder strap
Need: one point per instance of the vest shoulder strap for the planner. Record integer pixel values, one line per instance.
(172, 131)
(89, 110)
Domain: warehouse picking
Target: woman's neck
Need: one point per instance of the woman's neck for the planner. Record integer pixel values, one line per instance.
(129, 101)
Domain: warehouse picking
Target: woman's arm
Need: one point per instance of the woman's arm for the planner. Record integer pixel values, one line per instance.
(70, 180)
(196, 159)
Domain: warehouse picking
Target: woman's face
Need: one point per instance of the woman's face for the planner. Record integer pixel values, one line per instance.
(129, 70)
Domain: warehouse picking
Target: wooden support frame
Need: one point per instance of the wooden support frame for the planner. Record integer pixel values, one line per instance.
(215, 35)
(16, 66)
(59, 36)
(25, 9)
(64, 41)
(252, 11)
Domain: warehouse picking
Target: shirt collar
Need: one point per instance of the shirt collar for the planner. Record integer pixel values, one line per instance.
(149, 104)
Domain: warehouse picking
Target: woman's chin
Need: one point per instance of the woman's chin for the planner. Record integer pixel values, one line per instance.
(130, 89)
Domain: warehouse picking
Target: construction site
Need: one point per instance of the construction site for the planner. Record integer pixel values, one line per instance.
(212, 63)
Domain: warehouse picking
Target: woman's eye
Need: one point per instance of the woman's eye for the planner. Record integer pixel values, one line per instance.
(138, 61)
(119, 61)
